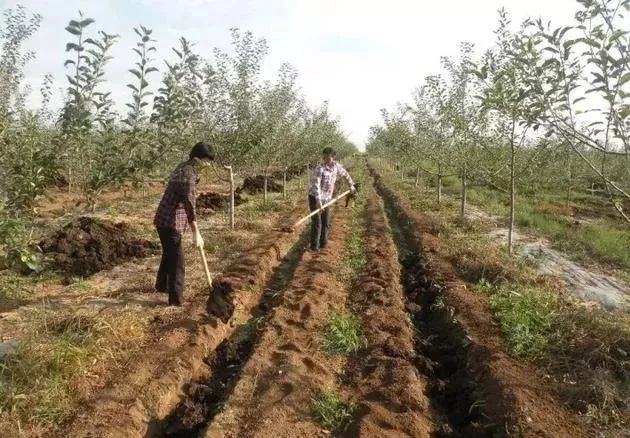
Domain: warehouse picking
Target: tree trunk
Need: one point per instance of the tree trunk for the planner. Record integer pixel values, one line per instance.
(462, 209)
(512, 190)
(569, 188)
(265, 188)
(439, 188)
(284, 185)
(232, 209)
(417, 177)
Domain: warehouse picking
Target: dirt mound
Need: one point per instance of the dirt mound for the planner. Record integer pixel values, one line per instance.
(256, 184)
(217, 201)
(292, 172)
(88, 245)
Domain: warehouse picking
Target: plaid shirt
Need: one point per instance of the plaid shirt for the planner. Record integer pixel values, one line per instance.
(177, 207)
(324, 178)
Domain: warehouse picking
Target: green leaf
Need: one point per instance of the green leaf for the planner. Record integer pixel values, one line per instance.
(73, 46)
(73, 30)
(72, 80)
(579, 99)
(135, 72)
(598, 78)
(616, 35)
(86, 22)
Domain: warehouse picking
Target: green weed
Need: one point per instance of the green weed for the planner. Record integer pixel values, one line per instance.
(526, 316)
(343, 333)
(331, 411)
(79, 284)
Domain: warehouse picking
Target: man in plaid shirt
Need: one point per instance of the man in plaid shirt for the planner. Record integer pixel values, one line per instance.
(320, 192)
(175, 212)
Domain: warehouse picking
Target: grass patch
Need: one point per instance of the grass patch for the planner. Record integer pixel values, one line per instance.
(526, 316)
(41, 382)
(342, 334)
(332, 412)
(354, 251)
(13, 286)
(260, 206)
(79, 284)
(604, 241)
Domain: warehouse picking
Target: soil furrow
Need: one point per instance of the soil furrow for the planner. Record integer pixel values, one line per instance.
(441, 344)
(150, 391)
(205, 398)
(475, 388)
(383, 379)
(273, 395)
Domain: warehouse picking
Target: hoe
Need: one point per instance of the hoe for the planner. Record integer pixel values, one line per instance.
(291, 228)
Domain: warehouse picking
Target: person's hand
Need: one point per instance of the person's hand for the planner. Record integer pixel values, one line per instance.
(197, 239)
(353, 189)
(319, 204)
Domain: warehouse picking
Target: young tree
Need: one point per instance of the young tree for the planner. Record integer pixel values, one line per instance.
(504, 73)
(582, 87)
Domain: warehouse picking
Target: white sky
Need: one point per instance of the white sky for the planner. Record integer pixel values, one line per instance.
(361, 55)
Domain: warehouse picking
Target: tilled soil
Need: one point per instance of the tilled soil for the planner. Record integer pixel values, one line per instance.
(477, 388)
(383, 377)
(205, 398)
(288, 366)
(88, 245)
(135, 405)
(433, 365)
(256, 184)
(211, 201)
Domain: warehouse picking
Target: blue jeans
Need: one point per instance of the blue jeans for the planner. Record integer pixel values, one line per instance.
(320, 225)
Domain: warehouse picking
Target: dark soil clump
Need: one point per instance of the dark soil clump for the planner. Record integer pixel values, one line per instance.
(292, 172)
(88, 245)
(256, 184)
(210, 201)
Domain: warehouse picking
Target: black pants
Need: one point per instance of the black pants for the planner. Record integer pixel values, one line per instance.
(320, 225)
(170, 276)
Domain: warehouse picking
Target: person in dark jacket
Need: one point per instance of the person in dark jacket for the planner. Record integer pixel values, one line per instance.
(175, 212)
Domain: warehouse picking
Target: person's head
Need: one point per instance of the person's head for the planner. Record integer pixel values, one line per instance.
(328, 154)
(203, 152)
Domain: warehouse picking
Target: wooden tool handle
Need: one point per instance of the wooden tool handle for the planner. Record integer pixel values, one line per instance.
(205, 266)
(328, 204)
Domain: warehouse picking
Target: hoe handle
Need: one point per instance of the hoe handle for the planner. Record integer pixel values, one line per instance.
(205, 267)
(326, 205)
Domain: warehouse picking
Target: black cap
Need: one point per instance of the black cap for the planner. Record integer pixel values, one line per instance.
(203, 151)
